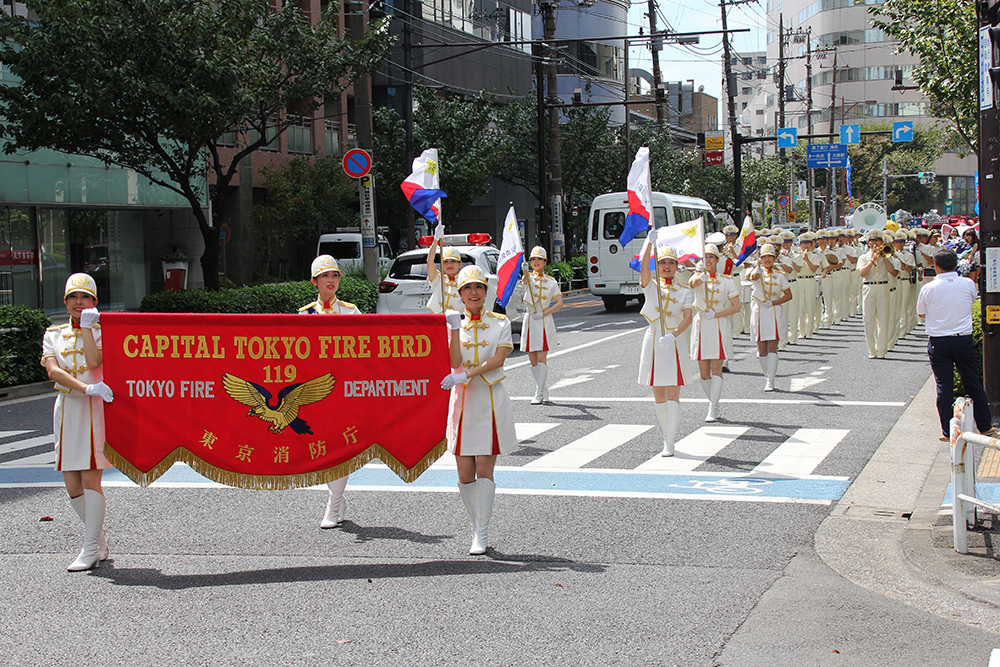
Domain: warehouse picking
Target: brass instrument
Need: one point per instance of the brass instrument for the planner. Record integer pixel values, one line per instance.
(887, 250)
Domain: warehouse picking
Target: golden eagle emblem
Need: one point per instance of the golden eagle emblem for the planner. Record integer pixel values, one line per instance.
(286, 412)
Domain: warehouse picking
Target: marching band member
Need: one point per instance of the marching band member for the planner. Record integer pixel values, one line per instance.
(72, 357)
(826, 277)
(451, 264)
(538, 331)
(924, 253)
(731, 253)
(915, 283)
(875, 269)
(770, 291)
(480, 418)
(839, 274)
(326, 278)
(664, 359)
(809, 309)
(850, 274)
(715, 300)
(907, 300)
(790, 267)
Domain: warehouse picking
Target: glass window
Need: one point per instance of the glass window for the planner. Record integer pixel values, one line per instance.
(614, 225)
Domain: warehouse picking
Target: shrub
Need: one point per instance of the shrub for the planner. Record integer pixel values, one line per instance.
(269, 298)
(561, 271)
(21, 333)
(977, 340)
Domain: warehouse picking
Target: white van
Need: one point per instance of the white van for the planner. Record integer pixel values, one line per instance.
(345, 247)
(608, 272)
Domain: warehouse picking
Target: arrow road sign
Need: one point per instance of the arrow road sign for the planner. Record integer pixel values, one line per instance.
(902, 130)
(788, 137)
(826, 156)
(850, 134)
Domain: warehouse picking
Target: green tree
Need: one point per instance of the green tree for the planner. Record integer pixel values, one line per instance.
(763, 178)
(943, 33)
(153, 85)
(304, 199)
(909, 157)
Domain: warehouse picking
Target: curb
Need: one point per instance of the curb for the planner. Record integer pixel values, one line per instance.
(26, 390)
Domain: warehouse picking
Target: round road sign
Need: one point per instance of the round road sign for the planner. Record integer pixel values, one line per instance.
(357, 163)
(783, 200)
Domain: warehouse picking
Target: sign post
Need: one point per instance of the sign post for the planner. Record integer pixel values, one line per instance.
(358, 164)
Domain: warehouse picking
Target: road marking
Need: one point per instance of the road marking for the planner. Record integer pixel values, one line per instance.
(20, 445)
(754, 401)
(695, 449)
(591, 446)
(599, 341)
(603, 324)
(994, 658)
(11, 434)
(45, 459)
(523, 431)
(798, 384)
(801, 453)
(572, 325)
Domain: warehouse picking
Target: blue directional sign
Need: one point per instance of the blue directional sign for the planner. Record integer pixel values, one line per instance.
(826, 156)
(902, 130)
(850, 134)
(788, 137)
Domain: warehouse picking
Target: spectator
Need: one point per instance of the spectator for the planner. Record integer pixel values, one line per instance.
(968, 255)
(945, 305)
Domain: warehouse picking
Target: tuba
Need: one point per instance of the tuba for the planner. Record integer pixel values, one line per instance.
(868, 217)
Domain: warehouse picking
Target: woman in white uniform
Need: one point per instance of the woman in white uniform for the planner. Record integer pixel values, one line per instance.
(664, 360)
(444, 298)
(480, 418)
(767, 317)
(715, 300)
(72, 357)
(538, 331)
(326, 278)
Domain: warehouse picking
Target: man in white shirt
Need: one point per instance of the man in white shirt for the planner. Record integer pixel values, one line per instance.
(945, 306)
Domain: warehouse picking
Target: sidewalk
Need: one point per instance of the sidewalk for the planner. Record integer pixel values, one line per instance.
(888, 533)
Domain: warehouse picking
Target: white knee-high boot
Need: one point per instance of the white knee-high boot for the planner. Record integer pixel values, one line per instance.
(668, 414)
(336, 505)
(706, 385)
(543, 374)
(772, 371)
(93, 525)
(79, 505)
(716, 396)
(470, 498)
(485, 494)
(537, 400)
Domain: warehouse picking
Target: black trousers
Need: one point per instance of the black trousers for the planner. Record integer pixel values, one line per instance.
(946, 354)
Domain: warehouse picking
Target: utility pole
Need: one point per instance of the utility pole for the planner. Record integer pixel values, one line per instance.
(809, 125)
(832, 208)
(655, 43)
(781, 77)
(555, 159)
(734, 133)
(356, 21)
(411, 235)
(542, 227)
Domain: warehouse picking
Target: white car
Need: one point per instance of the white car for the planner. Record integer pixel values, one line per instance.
(345, 247)
(405, 290)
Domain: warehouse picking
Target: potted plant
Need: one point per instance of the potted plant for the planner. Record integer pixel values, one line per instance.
(177, 260)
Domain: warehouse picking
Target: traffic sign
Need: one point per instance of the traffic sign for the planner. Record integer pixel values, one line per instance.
(714, 158)
(826, 156)
(783, 201)
(224, 235)
(357, 163)
(902, 130)
(850, 134)
(791, 216)
(788, 137)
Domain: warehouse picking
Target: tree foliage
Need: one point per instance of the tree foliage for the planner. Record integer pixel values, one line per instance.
(153, 85)
(943, 33)
(909, 157)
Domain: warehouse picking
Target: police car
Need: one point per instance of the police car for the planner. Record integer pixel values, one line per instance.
(405, 290)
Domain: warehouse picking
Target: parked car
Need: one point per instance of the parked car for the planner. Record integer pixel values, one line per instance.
(405, 289)
(345, 247)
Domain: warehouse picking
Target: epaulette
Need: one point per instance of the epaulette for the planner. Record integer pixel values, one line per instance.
(497, 316)
(307, 307)
(345, 304)
(57, 327)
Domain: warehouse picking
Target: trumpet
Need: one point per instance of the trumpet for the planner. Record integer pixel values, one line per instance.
(887, 250)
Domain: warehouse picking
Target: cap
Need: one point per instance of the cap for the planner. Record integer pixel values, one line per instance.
(873, 234)
(471, 274)
(324, 263)
(539, 252)
(764, 232)
(900, 235)
(81, 282)
(665, 252)
(450, 253)
(806, 237)
(730, 229)
(787, 236)
(767, 249)
(922, 232)
(712, 249)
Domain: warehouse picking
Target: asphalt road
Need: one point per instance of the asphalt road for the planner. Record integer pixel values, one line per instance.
(600, 555)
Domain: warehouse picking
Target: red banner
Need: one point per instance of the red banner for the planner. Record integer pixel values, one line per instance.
(274, 401)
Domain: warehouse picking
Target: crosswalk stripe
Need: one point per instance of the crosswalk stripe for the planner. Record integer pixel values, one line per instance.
(801, 453)
(523, 430)
(695, 449)
(11, 434)
(45, 459)
(591, 446)
(27, 444)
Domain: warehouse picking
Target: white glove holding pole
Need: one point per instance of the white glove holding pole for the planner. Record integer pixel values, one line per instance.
(454, 319)
(537, 316)
(708, 314)
(89, 317)
(766, 304)
(453, 379)
(667, 339)
(101, 391)
(651, 237)
(439, 232)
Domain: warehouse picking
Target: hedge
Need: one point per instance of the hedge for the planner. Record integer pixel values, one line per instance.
(977, 340)
(271, 298)
(21, 333)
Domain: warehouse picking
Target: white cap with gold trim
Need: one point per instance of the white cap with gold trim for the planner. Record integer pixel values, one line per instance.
(324, 263)
(471, 274)
(539, 252)
(81, 282)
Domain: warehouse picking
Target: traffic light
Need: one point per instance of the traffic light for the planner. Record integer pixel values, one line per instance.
(926, 177)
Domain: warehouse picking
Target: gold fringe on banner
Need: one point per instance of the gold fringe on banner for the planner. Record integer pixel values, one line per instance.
(272, 482)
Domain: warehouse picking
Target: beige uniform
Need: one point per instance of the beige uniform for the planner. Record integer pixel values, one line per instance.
(875, 297)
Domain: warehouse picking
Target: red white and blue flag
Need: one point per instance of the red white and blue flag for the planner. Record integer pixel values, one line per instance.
(511, 258)
(640, 207)
(423, 187)
(748, 240)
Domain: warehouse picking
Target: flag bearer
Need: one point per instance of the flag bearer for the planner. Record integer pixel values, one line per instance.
(451, 264)
(767, 319)
(538, 331)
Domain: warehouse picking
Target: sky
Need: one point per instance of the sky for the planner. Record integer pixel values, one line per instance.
(701, 62)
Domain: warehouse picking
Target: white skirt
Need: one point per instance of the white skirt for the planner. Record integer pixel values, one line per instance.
(765, 323)
(663, 366)
(474, 412)
(78, 425)
(712, 339)
(538, 335)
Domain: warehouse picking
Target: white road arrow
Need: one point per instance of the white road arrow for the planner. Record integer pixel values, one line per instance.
(798, 384)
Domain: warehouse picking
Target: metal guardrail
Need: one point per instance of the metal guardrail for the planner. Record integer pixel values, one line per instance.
(963, 475)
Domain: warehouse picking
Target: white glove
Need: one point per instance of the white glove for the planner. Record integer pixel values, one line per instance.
(766, 304)
(439, 232)
(651, 236)
(101, 391)
(667, 339)
(537, 316)
(709, 315)
(454, 319)
(89, 317)
(453, 379)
